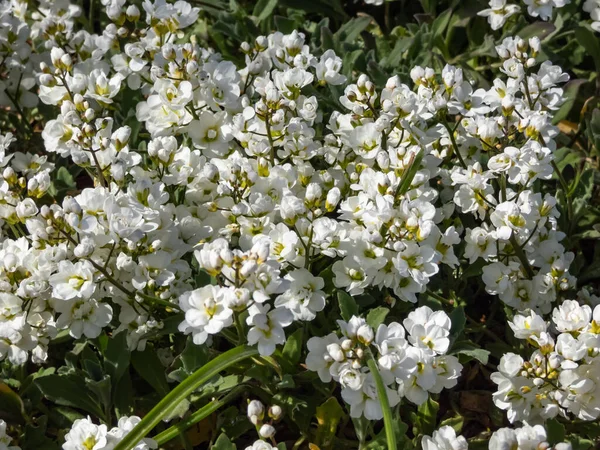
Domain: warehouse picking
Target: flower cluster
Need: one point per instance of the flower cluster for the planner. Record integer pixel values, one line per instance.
(593, 8)
(526, 437)
(264, 425)
(561, 376)
(5, 439)
(500, 11)
(410, 357)
(84, 434)
(240, 200)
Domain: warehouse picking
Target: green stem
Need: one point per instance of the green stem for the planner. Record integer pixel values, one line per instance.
(565, 187)
(182, 391)
(522, 256)
(202, 413)
(454, 144)
(388, 421)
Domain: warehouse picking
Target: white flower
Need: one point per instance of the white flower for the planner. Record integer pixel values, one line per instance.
(444, 439)
(498, 13)
(205, 313)
(83, 317)
(73, 280)
(260, 445)
(571, 316)
(267, 327)
(364, 402)
(328, 68)
(124, 427)
(84, 434)
(304, 297)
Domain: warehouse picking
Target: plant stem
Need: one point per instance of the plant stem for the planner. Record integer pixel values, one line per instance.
(388, 422)
(202, 413)
(182, 391)
(522, 256)
(454, 144)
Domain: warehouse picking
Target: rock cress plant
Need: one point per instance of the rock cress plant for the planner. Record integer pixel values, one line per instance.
(245, 204)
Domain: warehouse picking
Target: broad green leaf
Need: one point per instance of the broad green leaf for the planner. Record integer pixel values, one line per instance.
(427, 416)
(350, 31)
(440, 23)
(123, 400)
(149, 367)
(537, 29)
(479, 354)
(376, 316)
(348, 306)
(284, 24)
(292, 351)
(458, 319)
(12, 407)
(455, 422)
(64, 416)
(193, 356)
(409, 175)
(223, 443)
(328, 417)
(556, 431)
(116, 357)
(588, 40)
(264, 8)
(69, 390)
(34, 437)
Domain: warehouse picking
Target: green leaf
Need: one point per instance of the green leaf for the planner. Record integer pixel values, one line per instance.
(470, 349)
(537, 29)
(116, 357)
(479, 354)
(34, 437)
(328, 416)
(440, 23)
(64, 416)
(292, 350)
(327, 39)
(123, 396)
(264, 8)
(172, 400)
(193, 356)
(12, 408)
(149, 367)
(459, 320)
(594, 128)
(284, 24)
(376, 316)
(409, 175)
(65, 178)
(223, 443)
(350, 31)
(427, 416)
(556, 431)
(456, 422)
(388, 420)
(69, 390)
(588, 40)
(580, 443)
(348, 306)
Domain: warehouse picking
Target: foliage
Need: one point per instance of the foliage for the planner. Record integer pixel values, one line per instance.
(119, 224)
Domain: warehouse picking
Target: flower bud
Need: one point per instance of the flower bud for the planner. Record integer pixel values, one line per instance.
(266, 431)
(365, 334)
(256, 411)
(132, 13)
(275, 412)
(333, 198)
